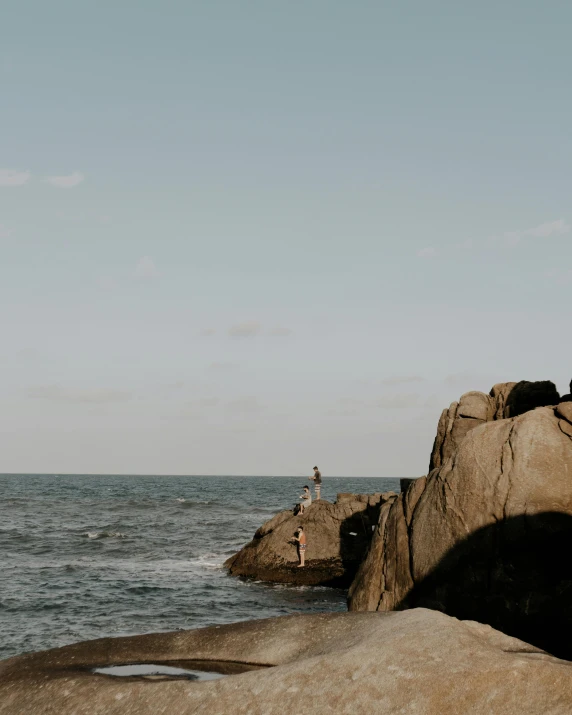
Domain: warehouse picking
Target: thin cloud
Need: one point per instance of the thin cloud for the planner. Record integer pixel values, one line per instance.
(195, 409)
(468, 380)
(395, 402)
(549, 229)
(433, 402)
(461, 378)
(544, 230)
(145, 268)
(4, 231)
(351, 402)
(65, 182)
(245, 404)
(343, 412)
(223, 366)
(347, 407)
(428, 252)
(178, 385)
(189, 413)
(400, 380)
(13, 177)
(249, 329)
(98, 396)
(252, 329)
(560, 277)
(208, 332)
(280, 332)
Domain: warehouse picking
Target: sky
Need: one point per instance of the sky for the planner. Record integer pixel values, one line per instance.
(248, 238)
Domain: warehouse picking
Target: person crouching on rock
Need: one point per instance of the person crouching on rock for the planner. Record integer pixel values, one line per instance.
(306, 499)
(300, 538)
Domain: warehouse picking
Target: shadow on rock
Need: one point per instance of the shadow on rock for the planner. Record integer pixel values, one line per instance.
(526, 396)
(515, 575)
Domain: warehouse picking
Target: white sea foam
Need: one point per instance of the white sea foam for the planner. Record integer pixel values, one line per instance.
(105, 535)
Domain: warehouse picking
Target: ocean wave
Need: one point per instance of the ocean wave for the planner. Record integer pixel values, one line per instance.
(209, 560)
(105, 535)
(189, 504)
(159, 561)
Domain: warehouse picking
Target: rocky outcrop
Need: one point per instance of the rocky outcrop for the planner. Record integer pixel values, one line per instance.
(418, 661)
(507, 399)
(472, 410)
(486, 535)
(338, 536)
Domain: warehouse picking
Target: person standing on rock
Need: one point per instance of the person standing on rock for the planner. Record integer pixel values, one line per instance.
(300, 538)
(317, 479)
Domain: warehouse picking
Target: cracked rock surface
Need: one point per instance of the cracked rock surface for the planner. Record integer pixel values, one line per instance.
(487, 535)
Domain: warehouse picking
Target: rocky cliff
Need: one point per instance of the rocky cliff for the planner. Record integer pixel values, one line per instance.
(338, 537)
(488, 533)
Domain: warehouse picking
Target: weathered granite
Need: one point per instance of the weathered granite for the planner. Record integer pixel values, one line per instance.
(506, 399)
(338, 536)
(418, 661)
(486, 535)
(406, 482)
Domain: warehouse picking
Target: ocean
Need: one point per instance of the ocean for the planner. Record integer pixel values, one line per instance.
(86, 556)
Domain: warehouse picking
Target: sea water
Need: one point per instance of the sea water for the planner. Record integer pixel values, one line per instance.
(85, 556)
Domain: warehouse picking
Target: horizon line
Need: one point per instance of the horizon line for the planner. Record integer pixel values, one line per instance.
(239, 476)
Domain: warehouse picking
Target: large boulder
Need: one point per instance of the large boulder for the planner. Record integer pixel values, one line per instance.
(472, 410)
(338, 536)
(418, 661)
(486, 536)
(506, 399)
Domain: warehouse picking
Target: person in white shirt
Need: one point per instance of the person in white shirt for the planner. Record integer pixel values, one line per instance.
(306, 499)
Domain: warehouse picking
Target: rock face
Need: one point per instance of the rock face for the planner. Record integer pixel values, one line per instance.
(338, 536)
(486, 536)
(417, 661)
(507, 399)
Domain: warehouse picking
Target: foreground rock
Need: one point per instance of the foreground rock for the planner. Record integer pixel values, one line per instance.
(418, 661)
(338, 537)
(487, 535)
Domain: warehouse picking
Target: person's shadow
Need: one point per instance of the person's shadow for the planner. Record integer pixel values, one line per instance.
(515, 575)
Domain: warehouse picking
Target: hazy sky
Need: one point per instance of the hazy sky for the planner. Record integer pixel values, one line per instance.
(248, 237)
